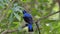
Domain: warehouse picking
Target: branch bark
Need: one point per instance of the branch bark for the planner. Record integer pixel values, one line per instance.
(9, 31)
(47, 16)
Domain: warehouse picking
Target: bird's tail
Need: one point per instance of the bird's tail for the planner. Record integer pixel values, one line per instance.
(30, 28)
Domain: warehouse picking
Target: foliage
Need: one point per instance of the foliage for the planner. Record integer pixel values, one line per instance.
(11, 15)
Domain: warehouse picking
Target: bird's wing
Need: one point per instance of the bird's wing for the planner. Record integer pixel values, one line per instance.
(28, 19)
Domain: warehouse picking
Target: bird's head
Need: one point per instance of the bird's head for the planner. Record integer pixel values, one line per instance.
(24, 12)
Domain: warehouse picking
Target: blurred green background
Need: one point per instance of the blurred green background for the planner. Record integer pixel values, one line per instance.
(11, 20)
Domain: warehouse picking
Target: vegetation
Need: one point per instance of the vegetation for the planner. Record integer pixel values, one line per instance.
(45, 12)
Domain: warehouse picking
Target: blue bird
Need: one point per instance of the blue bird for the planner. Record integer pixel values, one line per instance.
(28, 19)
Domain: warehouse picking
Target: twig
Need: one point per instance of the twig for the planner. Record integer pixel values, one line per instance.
(38, 27)
(44, 18)
(47, 16)
(9, 31)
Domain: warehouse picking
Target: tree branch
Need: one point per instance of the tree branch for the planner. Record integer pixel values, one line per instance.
(9, 31)
(44, 17)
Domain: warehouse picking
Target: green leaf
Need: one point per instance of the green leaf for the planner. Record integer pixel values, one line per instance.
(2, 6)
(11, 18)
(17, 16)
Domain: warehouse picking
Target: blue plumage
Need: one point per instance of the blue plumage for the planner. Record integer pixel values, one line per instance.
(28, 18)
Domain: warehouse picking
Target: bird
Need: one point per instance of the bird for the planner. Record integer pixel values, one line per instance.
(28, 19)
